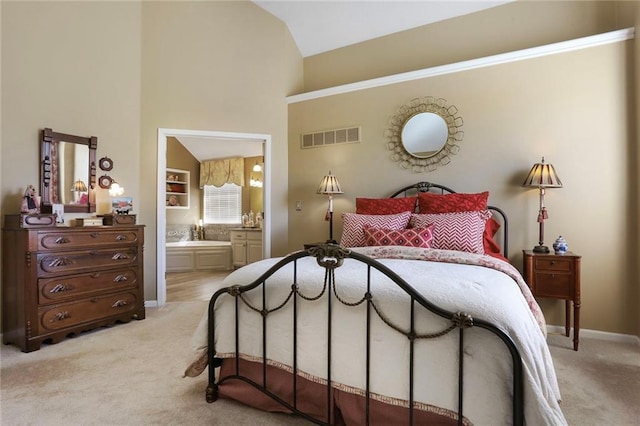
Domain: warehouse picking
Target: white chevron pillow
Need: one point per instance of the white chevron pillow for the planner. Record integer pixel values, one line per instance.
(460, 231)
(353, 227)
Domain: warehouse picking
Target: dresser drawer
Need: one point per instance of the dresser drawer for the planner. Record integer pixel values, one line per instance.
(555, 264)
(59, 289)
(85, 261)
(554, 285)
(53, 318)
(89, 238)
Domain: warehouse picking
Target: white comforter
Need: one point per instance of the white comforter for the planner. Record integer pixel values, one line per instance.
(484, 287)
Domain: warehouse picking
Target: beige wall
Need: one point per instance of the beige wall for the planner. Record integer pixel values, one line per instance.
(74, 67)
(572, 108)
(630, 16)
(505, 28)
(216, 66)
(121, 70)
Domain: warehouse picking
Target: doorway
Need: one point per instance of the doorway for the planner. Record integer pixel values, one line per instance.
(208, 137)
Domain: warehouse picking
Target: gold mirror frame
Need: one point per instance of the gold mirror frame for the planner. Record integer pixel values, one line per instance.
(449, 114)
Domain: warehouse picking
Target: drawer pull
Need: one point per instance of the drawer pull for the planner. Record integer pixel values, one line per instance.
(60, 288)
(95, 234)
(60, 316)
(121, 237)
(119, 303)
(553, 262)
(95, 275)
(119, 256)
(60, 261)
(120, 278)
(62, 240)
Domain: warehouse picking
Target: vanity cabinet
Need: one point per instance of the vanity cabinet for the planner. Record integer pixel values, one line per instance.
(246, 246)
(58, 281)
(177, 188)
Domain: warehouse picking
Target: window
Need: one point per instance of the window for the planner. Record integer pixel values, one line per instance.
(224, 204)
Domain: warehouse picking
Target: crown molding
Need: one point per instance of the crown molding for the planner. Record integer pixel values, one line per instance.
(487, 61)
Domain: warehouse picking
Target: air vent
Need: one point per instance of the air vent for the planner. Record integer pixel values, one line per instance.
(330, 137)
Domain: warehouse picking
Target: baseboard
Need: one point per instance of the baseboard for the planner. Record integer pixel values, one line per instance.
(596, 334)
(150, 303)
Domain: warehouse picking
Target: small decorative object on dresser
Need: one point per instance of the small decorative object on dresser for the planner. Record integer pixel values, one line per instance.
(30, 201)
(560, 246)
(558, 277)
(60, 281)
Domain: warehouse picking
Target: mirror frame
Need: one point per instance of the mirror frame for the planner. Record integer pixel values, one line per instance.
(50, 137)
(438, 106)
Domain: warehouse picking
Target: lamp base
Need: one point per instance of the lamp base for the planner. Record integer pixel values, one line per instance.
(541, 249)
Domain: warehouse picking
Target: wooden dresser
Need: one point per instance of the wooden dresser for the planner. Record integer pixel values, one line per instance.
(58, 281)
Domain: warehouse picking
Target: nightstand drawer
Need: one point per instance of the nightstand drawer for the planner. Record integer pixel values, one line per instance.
(554, 285)
(555, 264)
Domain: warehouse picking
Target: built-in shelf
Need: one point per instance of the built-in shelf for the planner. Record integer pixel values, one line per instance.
(177, 189)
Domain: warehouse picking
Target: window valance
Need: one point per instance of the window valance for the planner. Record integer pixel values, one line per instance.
(219, 172)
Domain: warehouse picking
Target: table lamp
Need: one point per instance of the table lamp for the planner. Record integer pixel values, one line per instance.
(542, 176)
(330, 186)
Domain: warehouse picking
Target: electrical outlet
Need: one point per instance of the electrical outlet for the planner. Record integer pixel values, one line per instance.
(298, 206)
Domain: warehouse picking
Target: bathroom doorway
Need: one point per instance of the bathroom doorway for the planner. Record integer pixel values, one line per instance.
(212, 139)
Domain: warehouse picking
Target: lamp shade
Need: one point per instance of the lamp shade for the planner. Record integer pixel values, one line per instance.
(543, 176)
(79, 186)
(329, 185)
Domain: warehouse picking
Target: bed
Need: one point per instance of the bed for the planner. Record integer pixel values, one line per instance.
(414, 318)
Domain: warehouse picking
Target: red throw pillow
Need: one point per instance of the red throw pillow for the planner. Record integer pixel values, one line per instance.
(458, 202)
(411, 237)
(385, 205)
(490, 229)
(449, 203)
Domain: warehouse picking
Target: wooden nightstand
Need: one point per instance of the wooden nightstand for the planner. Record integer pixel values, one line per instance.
(558, 277)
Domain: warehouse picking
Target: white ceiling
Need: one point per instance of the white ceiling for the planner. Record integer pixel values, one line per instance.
(208, 148)
(320, 26)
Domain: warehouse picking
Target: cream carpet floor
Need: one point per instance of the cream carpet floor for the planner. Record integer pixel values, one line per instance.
(131, 374)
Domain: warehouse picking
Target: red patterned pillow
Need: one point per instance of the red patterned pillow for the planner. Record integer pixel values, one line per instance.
(385, 205)
(447, 203)
(353, 232)
(411, 237)
(460, 231)
(490, 229)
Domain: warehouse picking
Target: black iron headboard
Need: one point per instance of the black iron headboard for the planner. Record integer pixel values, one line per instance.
(414, 189)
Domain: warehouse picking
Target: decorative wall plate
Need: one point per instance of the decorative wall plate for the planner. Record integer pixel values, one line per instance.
(106, 164)
(105, 181)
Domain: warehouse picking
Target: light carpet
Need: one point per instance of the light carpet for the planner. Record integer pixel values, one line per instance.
(131, 374)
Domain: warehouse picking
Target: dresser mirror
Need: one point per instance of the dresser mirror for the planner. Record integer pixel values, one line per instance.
(424, 134)
(68, 172)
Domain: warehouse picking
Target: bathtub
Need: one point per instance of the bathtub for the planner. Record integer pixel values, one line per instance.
(189, 256)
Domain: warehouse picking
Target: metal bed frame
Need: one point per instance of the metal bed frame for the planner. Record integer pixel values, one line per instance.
(330, 257)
